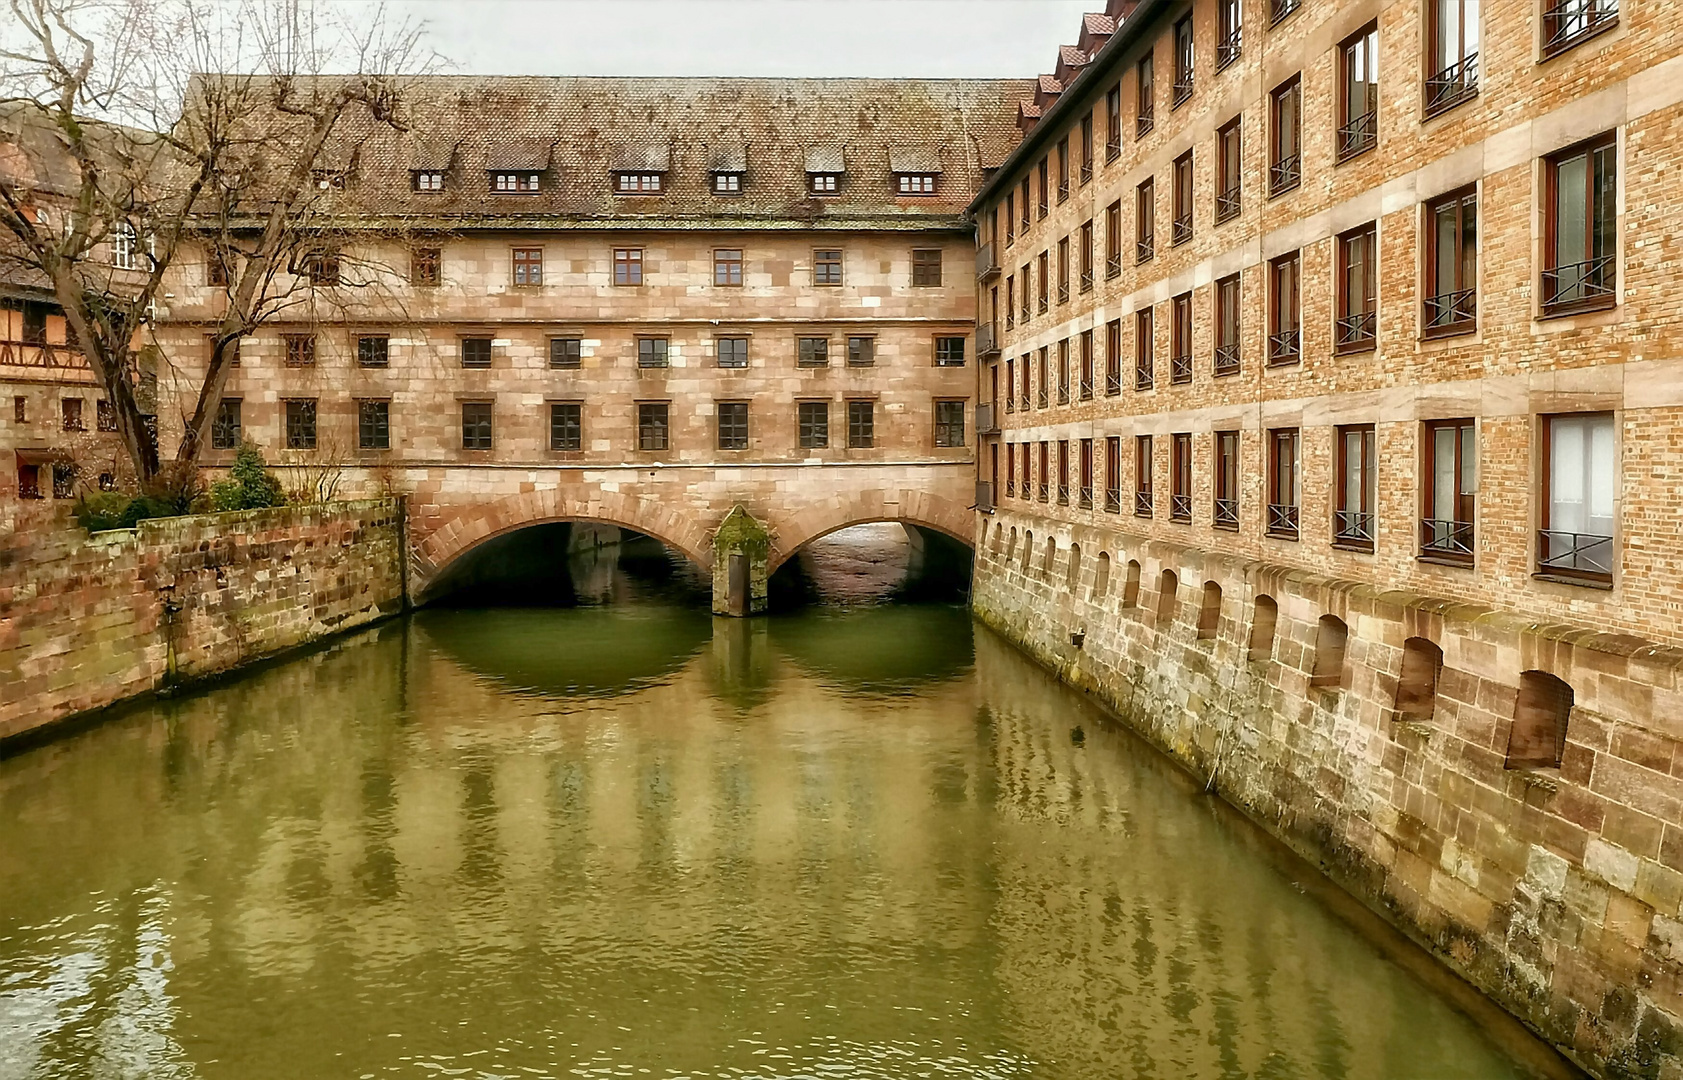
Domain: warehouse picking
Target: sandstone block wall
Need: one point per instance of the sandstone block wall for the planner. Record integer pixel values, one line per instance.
(86, 621)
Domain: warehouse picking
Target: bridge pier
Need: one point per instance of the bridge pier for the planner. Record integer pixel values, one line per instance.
(741, 565)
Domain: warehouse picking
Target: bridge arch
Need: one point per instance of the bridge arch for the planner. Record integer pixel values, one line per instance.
(794, 530)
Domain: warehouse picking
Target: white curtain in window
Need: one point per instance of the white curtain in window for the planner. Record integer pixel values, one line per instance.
(1581, 474)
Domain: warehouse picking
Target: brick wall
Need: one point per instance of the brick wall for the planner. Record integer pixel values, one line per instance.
(86, 621)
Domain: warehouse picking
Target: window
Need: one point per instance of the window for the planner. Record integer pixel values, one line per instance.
(926, 267)
(1230, 32)
(1580, 271)
(1227, 314)
(1144, 348)
(1284, 336)
(727, 183)
(1576, 538)
(1452, 53)
(1542, 710)
(861, 424)
(1180, 477)
(1113, 474)
(827, 267)
(1025, 202)
(1086, 256)
(476, 352)
(373, 351)
(812, 352)
(652, 352)
(814, 421)
(1180, 339)
(216, 268)
(1283, 466)
(1063, 473)
(1045, 472)
(733, 425)
(476, 425)
(1063, 169)
(566, 426)
(1113, 124)
(566, 352)
(917, 183)
(1145, 222)
(731, 352)
(1010, 301)
(328, 179)
(373, 425)
(1451, 462)
(727, 266)
(1285, 168)
(426, 180)
(1113, 239)
(1209, 611)
(1145, 98)
(20, 409)
(861, 350)
(1063, 371)
(1569, 22)
(64, 480)
(105, 416)
(1113, 358)
(29, 480)
(1182, 225)
(1086, 381)
(1226, 506)
(1010, 218)
(1229, 170)
(300, 416)
(1358, 93)
(1142, 476)
(225, 429)
(949, 423)
(1358, 289)
(1087, 148)
(639, 183)
(1085, 492)
(652, 425)
(1043, 202)
(528, 266)
(1451, 301)
(322, 268)
(70, 414)
(1063, 270)
(1044, 282)
(1045, 388)
(300, 349)
(949, 352)
(1027, 305)
(125, 243)
(1353, 517)
(1279, 9)
(1183, 61)
(424, 265)
(628, 266)
(823, 183)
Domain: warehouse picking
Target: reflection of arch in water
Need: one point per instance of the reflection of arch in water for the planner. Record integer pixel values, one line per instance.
(570, 652)
(891, 649)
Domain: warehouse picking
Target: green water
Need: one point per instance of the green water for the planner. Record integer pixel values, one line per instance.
(636, 841)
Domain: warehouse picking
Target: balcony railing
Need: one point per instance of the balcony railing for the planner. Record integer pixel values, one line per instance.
(984, 496)
(1044, 397)
(1087, 281)
(1447, 539)
(1229, 47)
(1142, 504)
(1589, 554)
(1063, 393)
(1045, 491)
(1361, 134)
(1025, 402)
(1180, 369)
(1352, 528)
(987, 266)
(1087, 388)
(1063, 493)
(1228, 205)
(1086, 496)
(1580, 285)
(1568, 22)
(1454, 84)
(1355, 331)
(1143, 377)
(1227, 359)
(1279, 9)
(1180, 508)
(987, 421)
(1182, 230)
(1282, 520)
(1183, 89)
(1113, 265)
(1284, 348)
(1143, 123)
(39, 354)
(1226, 514)
(1285, 174)
(987, 343)
(1451, 311)
(1113, 500)
(1112, 382)
(1063, 292)
(1145, 249)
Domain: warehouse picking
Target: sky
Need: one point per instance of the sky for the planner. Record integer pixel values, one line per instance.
(905, 38)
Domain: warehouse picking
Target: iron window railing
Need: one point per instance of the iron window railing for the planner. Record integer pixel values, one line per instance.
(1356, 330)
(1044, 397)
(1446, 539)
(1285, 347)
(1574, 552)
(1579, 285)
(1227, 359)
(1227, 205)
(1568, 22)
(1226, 514)
(1285, 174)
(1180, 508)
(1113, 500)
(1045, 491)
(1113, 265)
(1025, 405)
(1183, 88)
(1279, 9)
(1454, 84)
(1063, 493)
(1180, 369)
(1358, 136)
(1282, 520)
(1143, 377)
(1086, 281)
(1113, 382)
(1086, 389)
(1229, 47)
(1182, 231)
(1063, 393)
(1145, 249)
(1142, 504)
(1353, 527)
(1451, 310)
(1143, 123)
(1086, 497)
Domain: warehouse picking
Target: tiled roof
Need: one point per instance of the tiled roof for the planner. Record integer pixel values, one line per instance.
(925, 158)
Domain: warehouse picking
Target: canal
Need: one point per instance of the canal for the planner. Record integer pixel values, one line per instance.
(629, 839)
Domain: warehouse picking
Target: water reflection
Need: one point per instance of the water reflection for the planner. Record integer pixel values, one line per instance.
(413, 856)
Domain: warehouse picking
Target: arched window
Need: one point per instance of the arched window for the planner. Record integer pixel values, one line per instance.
(1051, 557)
(1028, 549)
(1330, 638)
(1074, 581)
(1262, 628)
(1209, 612)
(1101, 575)
(1417, 686)
(1167, 586)
(1131, 587)
(1541, 710)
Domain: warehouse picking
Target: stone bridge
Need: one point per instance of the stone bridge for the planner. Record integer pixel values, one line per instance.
(774, 509)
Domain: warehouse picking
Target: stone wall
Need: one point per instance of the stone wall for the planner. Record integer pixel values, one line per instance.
(86, 621)
(1553, 888)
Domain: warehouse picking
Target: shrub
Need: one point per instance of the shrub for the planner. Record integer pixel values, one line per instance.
(249, 486)
(100, 510)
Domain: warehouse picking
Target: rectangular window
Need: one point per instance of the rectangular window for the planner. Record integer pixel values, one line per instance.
(373, 351)
(1358, 290)
(476, 352)
(1063, 270)
(861, 350)
(125, 241)
(1024, 279)
(823, 183)
(1043, 200)
(528, 266)
(731, 352)
(1145, 221)
(814, 420)
(1025, 202)
(373, 425)
(1279, 9)
(635, 183)
(1183, 61)
(29, 481)
(1283, 470)
(216, 268)
(1144, 350)
(1285, 339)
(732, 425)
(566, 426)
(1113, 474)
(1146, 97)
(1063, 473)
(1063, 169)
(1285, 164)
(916, 183)
(566, 352)
(300, 349)
(1226, 505)
(812, 352)
(322, 268)
(1358, 93)
(105, 417)
(727, 266)
(1180, 339)
(1452, 53)
(652, 428)
(949, 423)
(861, 424)
(1113, 239)
(225, 429)
(628, 266)
(64, 480)
(1113, 124)
(1229, 171)
(70, 414)
(1227, 313)
(1451, 463)
(1063, 371)
(926, 267)
(1010, 385)
(476, 425)
(1084, 492)
(1113, 358)
(1181, 230)
(1576, 538)
(1180, 477)
(1045, 280)
(424, 263)
(827, 266)
(949, 352)
(1087, 148)
(1010, 218)
(508, 183)
(1010, 301)
(1567, 23)
(1086, 381)
(1142, 476)
(652, 352)
(1045, 472)
(300, 414)
(426, 180)
(727, 183)
(1230, 32)
(1045, 387)
(1580, 252)
(20, 409)
(1353, 517)
(1451, 302)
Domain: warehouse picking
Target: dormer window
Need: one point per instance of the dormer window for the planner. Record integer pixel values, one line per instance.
(727, 183)
(823, 183)
(639, 183)
(917, 183)
(427, 180)
(523, 182)
(328, 179)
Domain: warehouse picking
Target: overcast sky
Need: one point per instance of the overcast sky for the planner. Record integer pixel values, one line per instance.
(908, 38)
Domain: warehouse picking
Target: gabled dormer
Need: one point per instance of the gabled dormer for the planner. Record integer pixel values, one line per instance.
(517, 166)
(826, 167)
(1095, 31)
(640, 168)
(916, 169)
(1070, 62)
(1046, 91)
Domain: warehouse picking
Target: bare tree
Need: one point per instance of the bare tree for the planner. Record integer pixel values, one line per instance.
(127, 155)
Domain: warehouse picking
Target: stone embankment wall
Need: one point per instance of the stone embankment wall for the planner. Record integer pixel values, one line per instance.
(86, 621)
(1409, 746)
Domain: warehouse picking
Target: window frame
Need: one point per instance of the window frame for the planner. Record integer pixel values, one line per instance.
(918, 184)
(1549, 567)
(1113, 124)
(373, 351)
(1230, 32)
(926, 268)
(1145, 348)
(224, 436)
(526, 267)
(944, 350)
(813, 433)
(1143, 502)
(478, 440)
(1145, 221)
(1185, 61)
(571, 352)
(812, 351)
(1462, 301)
(654, 426)
(629, 267)
(1227, 357)
(373, 431)
(426, 266)
(1180, 477)
(1180, 339)
(1356, 319)
(827, 268)
(1285, 162)
(1599, 294)
(949, 432)
(1226, 480)
(1181, 200)
(728, 269)
(639, 182)
(1285, 298)
(719, 351)
(462, 343)
(1357, 133)
(861, 423)
(1354, 528)
(1452, 539)
(1285, 463)
(1445, 86)
(299, 431)
(658, 352)
(1145, 95)
(730, 431)
(1230, 170)
(558, 427)
(1599, 16)
(299, 350)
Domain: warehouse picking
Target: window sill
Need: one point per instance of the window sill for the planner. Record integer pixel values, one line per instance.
(1225, 528)
(1438, 333)
(1274, 535)
(1445, 109)
(1602, 584)
(1356, 348)
(1275, 193)
(1566, 311)
(1354, 547)
(1446, 560)
(1582, 39)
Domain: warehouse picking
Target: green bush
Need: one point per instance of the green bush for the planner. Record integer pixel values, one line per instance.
(249, 486)
(100, 510)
